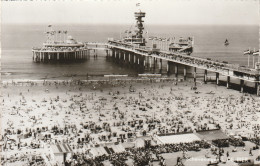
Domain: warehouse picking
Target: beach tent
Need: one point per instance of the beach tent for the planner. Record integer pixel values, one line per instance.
(60, 152)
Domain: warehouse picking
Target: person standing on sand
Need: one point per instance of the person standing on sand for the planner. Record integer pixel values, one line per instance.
(250, 152)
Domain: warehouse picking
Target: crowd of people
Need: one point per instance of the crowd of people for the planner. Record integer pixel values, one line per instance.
(67, 113)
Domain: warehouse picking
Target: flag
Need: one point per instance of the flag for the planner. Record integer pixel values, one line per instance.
(256, 53)
(247, 52)
(138, 4)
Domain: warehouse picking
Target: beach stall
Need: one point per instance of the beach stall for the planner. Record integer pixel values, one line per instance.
(60, 152)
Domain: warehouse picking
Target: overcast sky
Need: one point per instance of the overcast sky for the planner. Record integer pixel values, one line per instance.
(121, 11)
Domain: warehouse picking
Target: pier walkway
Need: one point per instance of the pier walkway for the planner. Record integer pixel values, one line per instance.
(141, 56)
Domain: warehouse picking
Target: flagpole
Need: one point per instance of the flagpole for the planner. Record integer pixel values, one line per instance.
(64, 36)
(253, 59)
(258, 55)
(163, 44)
(168, 43)
(248, 58)
(147, 35)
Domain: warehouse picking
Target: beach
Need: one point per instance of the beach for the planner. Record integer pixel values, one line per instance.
(71, 110)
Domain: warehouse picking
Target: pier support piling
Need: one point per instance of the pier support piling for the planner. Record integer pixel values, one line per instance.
(242, 83)
(160, 66)
(194, 76)
(217, 78)
(228, 81)
(168, 68)
(176, 70)
(257, 87)
(205, 76)
(154, 63)
(150, 63)
(185, 73)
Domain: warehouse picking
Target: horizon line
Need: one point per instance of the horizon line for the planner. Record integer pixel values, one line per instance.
(19, 23)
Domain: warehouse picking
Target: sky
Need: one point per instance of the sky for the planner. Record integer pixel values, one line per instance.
(170, 12)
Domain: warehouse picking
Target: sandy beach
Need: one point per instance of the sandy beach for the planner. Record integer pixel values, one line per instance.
(70, 111)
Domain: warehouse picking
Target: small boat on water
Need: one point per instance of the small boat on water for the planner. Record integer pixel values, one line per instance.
(226, 42)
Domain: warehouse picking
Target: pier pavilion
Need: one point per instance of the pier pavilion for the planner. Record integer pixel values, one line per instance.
(60, 48)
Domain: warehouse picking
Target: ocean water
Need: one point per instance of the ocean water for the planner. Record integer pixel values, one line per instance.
(18, 40)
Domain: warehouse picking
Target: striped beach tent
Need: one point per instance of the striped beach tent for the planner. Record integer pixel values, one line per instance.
(61, 148)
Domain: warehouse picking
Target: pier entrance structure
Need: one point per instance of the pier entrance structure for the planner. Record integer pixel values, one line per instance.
(60, 47)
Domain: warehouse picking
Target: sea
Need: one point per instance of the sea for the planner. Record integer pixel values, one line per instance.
(17, 41)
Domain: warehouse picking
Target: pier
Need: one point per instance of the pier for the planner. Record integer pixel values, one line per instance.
(132, 51)
(141, 57)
